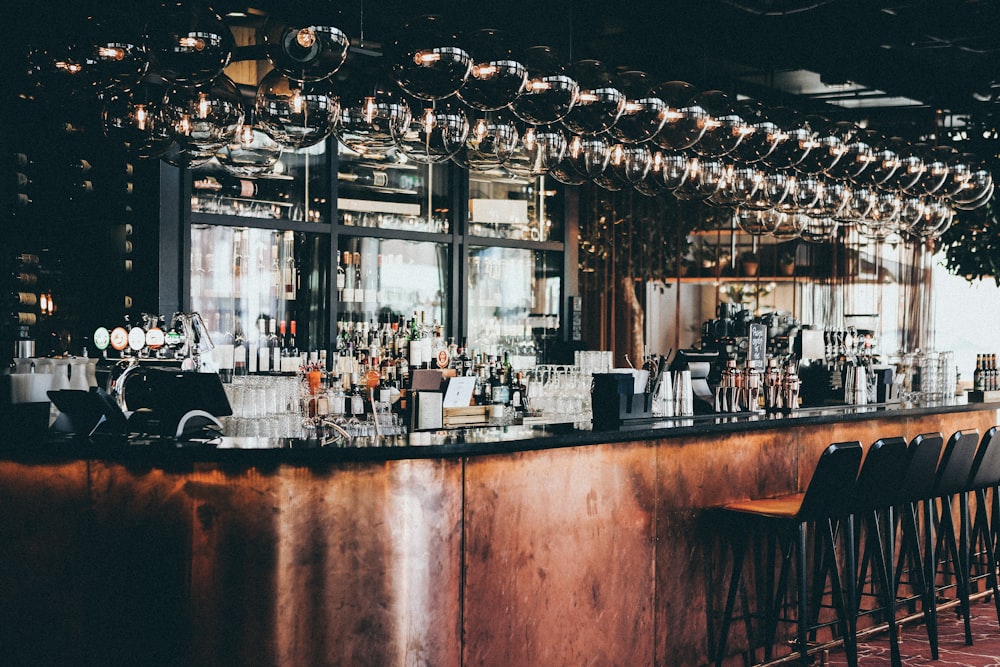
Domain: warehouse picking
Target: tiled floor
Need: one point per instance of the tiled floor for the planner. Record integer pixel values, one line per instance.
(985, 651)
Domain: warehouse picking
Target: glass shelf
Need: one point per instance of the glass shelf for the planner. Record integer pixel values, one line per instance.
(505, 206)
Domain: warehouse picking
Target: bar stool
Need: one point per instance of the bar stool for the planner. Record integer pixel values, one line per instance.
(985, 475)
(875, 496)
(827, 501)
(952, 479)
(917, 487)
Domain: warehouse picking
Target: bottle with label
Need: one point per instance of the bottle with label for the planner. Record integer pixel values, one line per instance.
(274, 348)
(225, 352)
(977, 374)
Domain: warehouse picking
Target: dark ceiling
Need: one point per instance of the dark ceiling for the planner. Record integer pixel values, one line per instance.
(909, 66)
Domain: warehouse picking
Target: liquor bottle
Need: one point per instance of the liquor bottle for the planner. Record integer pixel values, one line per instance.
(364, 177)
(341, 277)
(519, 394)
(240, 362)
(291, 344)
(416, 348)
(977, 375)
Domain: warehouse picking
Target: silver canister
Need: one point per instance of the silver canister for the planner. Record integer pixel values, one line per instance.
(772, 386)
(683, 394)
(790, 385)
(751, 389)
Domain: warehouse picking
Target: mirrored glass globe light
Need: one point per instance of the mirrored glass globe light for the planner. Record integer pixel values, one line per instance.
(296, 114)
(369, 119)
(764, 138)
(599, 101)
(567, 174)
(204, 117)
(303, 51)
(885, 163)
(112, 55)
(874, 230)
(833, 198)
(911, 167)
(937, 160)
(635, 163)
(805, 191)
(936, 220)
(978, 183)
(686, 122)
(425, 59)
(818, 229)
(786, 226)
(826, 146)
(490, 143)
(911, 212)
(857, 153)
(676, 169)
(588, 155)
(705, 178)
(550, 92)
(797, 141)
(611, 180)
(497, 78)
(960, 167)
(55, 69)
(724, 130)
(644, 113)
(435, 133)
(740, 184)
(756, 222)
(773, 187)
(652, 183)
(859, 204)
(982, 200)
(136, 120)
(185, 157)
(537, 152)
(886, 209)
(188, 43)
(250, 152)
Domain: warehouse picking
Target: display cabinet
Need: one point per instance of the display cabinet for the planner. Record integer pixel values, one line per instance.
(335, 241)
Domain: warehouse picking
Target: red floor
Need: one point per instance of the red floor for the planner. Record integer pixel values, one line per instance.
(985, 651)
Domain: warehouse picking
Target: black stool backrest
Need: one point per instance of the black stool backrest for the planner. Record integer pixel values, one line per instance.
(831, 489)
(986, 467)
(924, 452)
(956, 463)
(881, 474)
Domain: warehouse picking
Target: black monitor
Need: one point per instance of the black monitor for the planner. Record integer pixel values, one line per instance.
(159, 398)
(699, 362)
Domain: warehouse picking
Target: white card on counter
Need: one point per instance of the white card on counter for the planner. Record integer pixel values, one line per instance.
(459, 392)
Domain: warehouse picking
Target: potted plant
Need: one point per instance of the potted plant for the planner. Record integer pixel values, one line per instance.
(706, 257)
(749, 263)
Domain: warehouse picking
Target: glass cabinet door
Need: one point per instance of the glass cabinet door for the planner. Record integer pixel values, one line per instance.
(388, 281)
(503, 205)
(252, 283)
(513, 301)
(295, 188)
(392, 194)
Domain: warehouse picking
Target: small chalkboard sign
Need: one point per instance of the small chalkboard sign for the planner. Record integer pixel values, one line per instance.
(757, 352)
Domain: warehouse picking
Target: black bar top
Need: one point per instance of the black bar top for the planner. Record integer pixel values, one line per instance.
(446, 443)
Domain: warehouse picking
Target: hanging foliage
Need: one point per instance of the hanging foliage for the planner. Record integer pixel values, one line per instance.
(972, 244)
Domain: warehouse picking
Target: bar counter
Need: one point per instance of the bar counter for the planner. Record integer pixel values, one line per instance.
(502, 546)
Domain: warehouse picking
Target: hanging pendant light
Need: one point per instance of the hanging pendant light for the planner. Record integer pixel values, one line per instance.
(599, 102)
(435, 133)
(686, 122)
(251, 152)
(537, 152)
(496, 78)
(136, 120)
(371, 119)
(724, 128)
(764, 138)
(296, 114)
(425, 59)
(304, 51)
(204, 117)
(490, 143)
(188, 43)
(550, 92)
